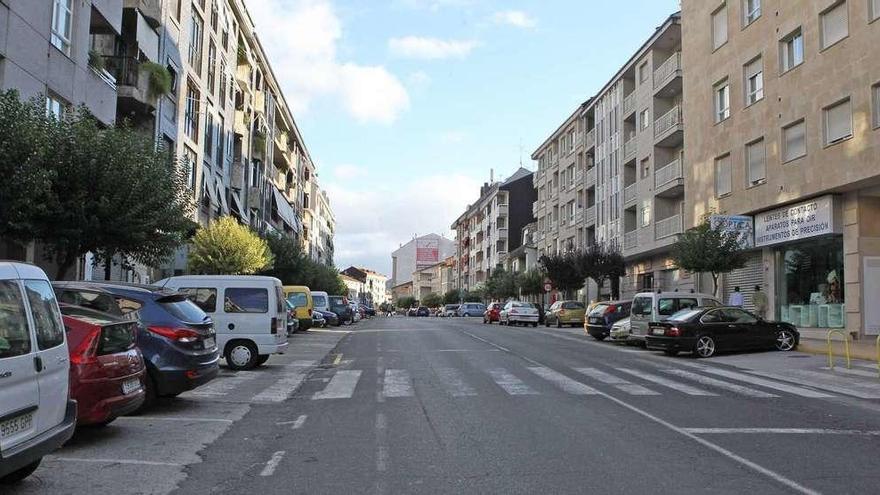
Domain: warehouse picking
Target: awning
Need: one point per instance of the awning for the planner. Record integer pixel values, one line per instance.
(209, 190)
(221, 193)
(147, 39)
(285, 211)
(236, 207)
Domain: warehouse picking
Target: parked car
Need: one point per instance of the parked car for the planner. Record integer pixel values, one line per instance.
(106, 368)
(706, 331)
(365, 311)
(620, 330)
(292, 321)
(301, 298)
(369, 310)
(176, 338)
(355, 312)
(656, 306)
(423, 311)
(37, 414)
(412, 311)
(565, 313)
(251, 323)
(339, 305)
(518, 313)
(471, 309)
(318, 320)
(492, 313)
(330, 318)
(448, 310)
(604, 315)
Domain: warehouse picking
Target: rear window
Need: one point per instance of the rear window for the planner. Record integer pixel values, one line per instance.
(204, 298)
(298, 299)
(573, 305)
(641, 306)
(47, 318)
(246, 300)
(337, 301)
(320, 301)
(15, 339)
(183, 309)
(684, 315)
(687, 303)
(598, 310)
(116, 338)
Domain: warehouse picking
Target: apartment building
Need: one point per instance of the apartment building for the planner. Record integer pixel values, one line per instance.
(783, 126)
(492, 226)
(325, 229)
(373, 284)
(613, 171)
(434, 279)
(420, 252)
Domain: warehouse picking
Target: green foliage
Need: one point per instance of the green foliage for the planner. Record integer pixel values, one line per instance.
(451, 297)
(601, 262)
(406, 302)
(502, 284)
(160, 78)
(225, 247)
(531, 283)
(293, 267)
(563, 270)
(708, 250)
(259, 142)
(432, 300)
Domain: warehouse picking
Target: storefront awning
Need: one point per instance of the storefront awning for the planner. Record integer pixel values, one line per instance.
(285, 211)
(237, 209)
(221, 193)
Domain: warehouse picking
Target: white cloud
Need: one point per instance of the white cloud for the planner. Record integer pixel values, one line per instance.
(430, 48)
(452, 137)
(348, 171)
(418, 78)
(301, 38)
(515, 18)
(433, 5)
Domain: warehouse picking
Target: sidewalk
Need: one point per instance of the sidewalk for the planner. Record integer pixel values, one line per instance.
(865, 349)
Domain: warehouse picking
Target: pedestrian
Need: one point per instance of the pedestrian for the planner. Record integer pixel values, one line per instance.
(736, 298)
(759, 300)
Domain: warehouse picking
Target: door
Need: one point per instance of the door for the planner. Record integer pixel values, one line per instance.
(747, 332)
(18, 374)
(52, 360)
(715, 323)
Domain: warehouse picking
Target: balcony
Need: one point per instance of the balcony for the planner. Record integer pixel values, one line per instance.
(590, 215)
(630, 240)
(132, 86)
(668, 181)
(150, 9)
(535, 207)
(502, 211)
(667, 227)
(590, 139)
(629, 149)
(591, 177)
(667, 77)
(629, 105)
(669, 129)
(630, 193)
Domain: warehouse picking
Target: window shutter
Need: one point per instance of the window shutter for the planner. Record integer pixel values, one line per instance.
(876, 93)
(834, 24)
(719, 27)
(795, 141)
(838, 122)
(753, 67)
(756, 161)
(722, 176)
(875, 9)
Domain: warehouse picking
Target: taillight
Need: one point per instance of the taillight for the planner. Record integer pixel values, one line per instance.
(274, 329)
(673, 332)
(87, 350)
(183, 335)
(610, 309)
(310, 312)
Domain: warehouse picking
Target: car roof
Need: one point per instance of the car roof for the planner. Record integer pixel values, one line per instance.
(88, 315)
(676, 294)
(14, 270)
(114, 287)
(619, 301)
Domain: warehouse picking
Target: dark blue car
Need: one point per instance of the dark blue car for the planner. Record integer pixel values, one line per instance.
(175, 336)
(602, 317)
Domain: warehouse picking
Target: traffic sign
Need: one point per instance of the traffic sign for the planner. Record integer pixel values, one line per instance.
(548, 286)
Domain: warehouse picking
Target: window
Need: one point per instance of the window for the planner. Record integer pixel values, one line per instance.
(15, 338)
(55, 106)
(722, 176)
(191, 115)
(666, 307)
(751, 11)
(212, 68)
(754, 81)
(189, 160)
(644, 118)
(838, 122)
(810, 291)
(756, 162)
(47, 319)
(643, 72)
(104, 303)
(792, 50)
(195, 43)
(834, 24)
(215, 16)
(719, 27)
(874, 10)
(646, 213)
(209, 137)
(246, 300)
(62, 19)
(175, 9)
(722, 100)
(171, 99)
(299, 299)
(204, 298)
(794, 141)
(220, 156)
(646, 168)
(875, 93)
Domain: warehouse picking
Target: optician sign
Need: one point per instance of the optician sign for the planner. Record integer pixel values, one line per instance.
(799, 221)
(740, 225)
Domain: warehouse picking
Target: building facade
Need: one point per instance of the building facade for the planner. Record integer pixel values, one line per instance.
(373, 284)
(783, 126)
(418, 253)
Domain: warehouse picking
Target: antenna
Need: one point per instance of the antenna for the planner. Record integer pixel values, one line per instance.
(520, 152)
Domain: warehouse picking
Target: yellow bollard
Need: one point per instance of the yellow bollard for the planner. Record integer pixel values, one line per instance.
(845, 348)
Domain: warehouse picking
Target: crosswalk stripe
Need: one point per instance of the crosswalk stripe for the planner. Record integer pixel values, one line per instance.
(341, 386)
(397, 384)
(619, 383)
(510, 383)
(712, 382)
(775, 385)
(283, 388)
(453, 382)
(567, 384)
(681, 387)
(222, 385)
(828, 382)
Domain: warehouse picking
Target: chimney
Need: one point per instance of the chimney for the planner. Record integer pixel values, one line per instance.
(491, 176)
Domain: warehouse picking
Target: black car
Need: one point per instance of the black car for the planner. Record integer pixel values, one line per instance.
(329, 317)
(339, 305)
(423, 311)
(604, 315)
(705, 331)
(175, 336)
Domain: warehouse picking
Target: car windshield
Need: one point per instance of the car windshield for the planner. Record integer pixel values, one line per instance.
(599, 309)
(320, 301)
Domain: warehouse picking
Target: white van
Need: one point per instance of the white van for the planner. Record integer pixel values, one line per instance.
(657, 306)
(320, 300)
(36, 413)
(251, 323)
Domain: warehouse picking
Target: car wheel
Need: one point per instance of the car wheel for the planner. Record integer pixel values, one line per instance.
(547, 322)
(241, 355)
(704, 347)
(785, 340)
(21, 473)
(262, 359)
(150, 393)
(534, 325)
(670, 353)
(600, 338)
(558, 323)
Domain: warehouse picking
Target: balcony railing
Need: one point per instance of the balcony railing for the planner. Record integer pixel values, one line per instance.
(669, 120)
(667, 227)
(590, 214)
(590, 139)
(629, 103)
(629, 148)
(630, 240)
(630, 193)
(667, 69)
(591, 176)
(668, 173)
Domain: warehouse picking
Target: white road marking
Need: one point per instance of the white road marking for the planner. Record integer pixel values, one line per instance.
(300, 364)
(453, 382)
(510, 383)
(619, 383)
(222, 385)
(297, 423)
(272, 464)
(382, 455)
(782, 431)
(341, 386)
(487, 342)
(712, 382)
(828, 382)
(380, 374)
(174, 418)
(567, 384)
(283, 388)
(111, 461)
(681, 387)
(775, 385)
(397, 384)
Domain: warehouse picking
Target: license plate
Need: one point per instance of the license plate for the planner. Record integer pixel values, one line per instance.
(210, 343)
(658, 331)
(16, 425)
(129, 386)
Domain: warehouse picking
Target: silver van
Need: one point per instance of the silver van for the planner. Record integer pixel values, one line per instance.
(657, 306)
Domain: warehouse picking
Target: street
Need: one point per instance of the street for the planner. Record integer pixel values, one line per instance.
(449, 405)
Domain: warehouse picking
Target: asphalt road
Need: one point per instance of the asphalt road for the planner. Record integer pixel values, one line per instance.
(428, 405)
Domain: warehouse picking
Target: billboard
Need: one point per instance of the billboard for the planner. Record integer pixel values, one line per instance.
(741, 225)
(427, 252)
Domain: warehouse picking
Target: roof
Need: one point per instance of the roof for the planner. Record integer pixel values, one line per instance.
(521, 173)
(346, 278)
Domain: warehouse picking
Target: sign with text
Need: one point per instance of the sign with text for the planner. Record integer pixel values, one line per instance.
(427, 252)
(799, 221)
(741, 225)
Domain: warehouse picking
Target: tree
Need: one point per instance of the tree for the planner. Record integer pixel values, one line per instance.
(406, 302)
(432, 300)
(502, 284)
(708, 250)
(562, 269)
(451, 297)
(531, 283)
(226, 247)
(601, 262)
(293, 267)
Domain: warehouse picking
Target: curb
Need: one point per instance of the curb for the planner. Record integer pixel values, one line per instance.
(856, 350)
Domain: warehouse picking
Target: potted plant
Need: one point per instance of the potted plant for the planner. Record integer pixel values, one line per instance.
(159, 78)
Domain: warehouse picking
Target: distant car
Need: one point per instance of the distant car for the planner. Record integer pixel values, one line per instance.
(412, 311)
(706, 331)
(318, 320)
(423, 311)
(369, 310)
(518, 313)
(106, 369)
(448, 310)
(492, 313)
(292, 320)
(604, 315)
(471, 309)
(620, 331)
(330, 317)
(339, 305)
(565, 313)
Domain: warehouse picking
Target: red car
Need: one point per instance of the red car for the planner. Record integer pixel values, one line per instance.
(106, 369)
(493, 313)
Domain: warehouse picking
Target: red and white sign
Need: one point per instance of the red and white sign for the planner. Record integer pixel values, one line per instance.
(427, 252)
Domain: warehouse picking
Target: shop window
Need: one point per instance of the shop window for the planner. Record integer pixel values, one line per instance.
(810, 283)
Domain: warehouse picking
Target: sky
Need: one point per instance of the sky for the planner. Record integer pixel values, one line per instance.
(407, 106)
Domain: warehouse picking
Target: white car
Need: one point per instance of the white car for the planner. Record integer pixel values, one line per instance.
(36, 413)
(448, 311)
(620, 331)
(648, 307)
(519, 313)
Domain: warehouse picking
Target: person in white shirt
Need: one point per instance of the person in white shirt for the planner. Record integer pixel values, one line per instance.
(736, 298)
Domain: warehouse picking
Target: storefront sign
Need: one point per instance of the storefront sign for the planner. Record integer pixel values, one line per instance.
(799, 221)
(740, 225)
